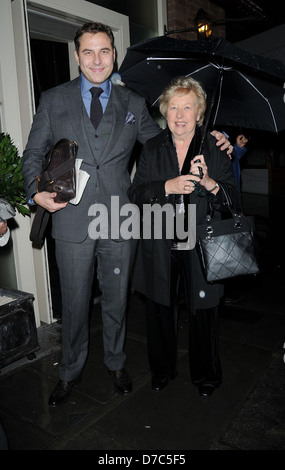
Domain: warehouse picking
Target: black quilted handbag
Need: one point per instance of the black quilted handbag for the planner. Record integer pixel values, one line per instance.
(227, 248)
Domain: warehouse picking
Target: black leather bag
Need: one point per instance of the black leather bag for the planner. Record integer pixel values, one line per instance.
(227, 248)
(58, 177)
(59, 174)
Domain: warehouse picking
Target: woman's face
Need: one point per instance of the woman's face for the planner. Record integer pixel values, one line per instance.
(183, 114)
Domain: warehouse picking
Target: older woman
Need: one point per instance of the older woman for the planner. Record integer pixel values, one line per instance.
(163, 177)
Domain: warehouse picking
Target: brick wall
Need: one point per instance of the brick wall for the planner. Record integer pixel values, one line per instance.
(181, 15)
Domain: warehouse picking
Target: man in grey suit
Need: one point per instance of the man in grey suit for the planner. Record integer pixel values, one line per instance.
(64, 112)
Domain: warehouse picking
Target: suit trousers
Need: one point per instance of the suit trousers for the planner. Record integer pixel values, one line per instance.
(162, 322)
(76, 264)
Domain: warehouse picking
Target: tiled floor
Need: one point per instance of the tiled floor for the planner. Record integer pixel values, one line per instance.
(246, 413)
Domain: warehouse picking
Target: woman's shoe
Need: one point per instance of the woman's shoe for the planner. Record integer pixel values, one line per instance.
(158, 383)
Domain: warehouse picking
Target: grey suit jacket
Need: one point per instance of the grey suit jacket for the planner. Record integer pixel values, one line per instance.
(62, 114)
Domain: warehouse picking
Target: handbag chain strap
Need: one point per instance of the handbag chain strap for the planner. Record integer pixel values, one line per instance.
(236, 215)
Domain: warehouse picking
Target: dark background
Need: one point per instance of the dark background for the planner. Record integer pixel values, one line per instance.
(246, 18)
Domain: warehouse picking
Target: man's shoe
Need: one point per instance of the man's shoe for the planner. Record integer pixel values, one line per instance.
(206, 390)
(61, 392)
(233, 299)
(159, 383)
(121, 381)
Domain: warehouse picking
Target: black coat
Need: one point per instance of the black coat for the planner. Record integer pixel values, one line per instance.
(158, 163)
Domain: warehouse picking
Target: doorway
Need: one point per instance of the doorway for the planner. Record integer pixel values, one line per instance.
(50, 66)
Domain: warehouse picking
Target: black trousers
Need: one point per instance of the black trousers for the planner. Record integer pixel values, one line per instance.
(162, 321)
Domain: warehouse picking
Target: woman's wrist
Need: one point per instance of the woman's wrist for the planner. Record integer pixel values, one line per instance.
(215, 187)
(211, 185)
(165, 189)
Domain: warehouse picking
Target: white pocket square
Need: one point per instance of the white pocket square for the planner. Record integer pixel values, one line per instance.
(130, 119)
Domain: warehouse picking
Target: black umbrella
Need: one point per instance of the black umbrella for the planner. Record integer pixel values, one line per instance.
(243, 89)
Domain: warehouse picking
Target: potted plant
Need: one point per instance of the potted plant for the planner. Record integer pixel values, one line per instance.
(11, 177)
(18, 333)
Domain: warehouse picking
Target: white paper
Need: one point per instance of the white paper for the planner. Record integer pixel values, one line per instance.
(81, 180)
(6, 300)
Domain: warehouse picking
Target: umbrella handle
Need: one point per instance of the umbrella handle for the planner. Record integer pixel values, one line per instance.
(202, 141)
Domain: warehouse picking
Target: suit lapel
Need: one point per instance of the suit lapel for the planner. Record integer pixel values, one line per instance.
(77, 114)
(119, 105)
(74, 106)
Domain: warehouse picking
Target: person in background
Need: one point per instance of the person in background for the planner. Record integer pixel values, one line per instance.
(6, 212)
(4, 233)
(168, 174)
(105, 146)
(238, 152)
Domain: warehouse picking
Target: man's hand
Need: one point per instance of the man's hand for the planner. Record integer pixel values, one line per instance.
(46, 200)
(223, 141)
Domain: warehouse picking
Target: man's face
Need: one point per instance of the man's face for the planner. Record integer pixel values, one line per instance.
(96, 57)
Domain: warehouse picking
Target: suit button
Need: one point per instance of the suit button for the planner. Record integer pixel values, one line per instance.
(97, 167)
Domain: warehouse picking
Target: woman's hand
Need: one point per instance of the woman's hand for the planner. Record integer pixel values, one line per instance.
(179, 185)
(46, 200)
(185, 184)
(206, 181)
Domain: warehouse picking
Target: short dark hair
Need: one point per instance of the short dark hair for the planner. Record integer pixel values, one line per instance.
(93, 28)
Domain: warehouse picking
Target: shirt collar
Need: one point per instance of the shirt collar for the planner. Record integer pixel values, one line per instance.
(86, 85)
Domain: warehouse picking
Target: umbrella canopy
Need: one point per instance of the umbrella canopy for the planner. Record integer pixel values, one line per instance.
(243, 89)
